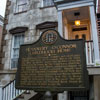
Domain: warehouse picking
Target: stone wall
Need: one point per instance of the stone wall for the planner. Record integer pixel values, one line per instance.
(1, 27)
(34, 15)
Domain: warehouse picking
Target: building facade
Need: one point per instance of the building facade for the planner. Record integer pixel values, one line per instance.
(24, 22)
(1, 27)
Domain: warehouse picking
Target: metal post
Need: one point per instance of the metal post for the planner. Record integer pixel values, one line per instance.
(48, 96)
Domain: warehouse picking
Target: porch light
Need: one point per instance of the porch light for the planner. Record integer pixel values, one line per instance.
(77, 22)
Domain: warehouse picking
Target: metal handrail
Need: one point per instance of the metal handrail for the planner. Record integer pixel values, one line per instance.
(8, 83)
(9, 92)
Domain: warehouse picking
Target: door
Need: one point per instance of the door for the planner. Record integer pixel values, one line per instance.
(80, 33)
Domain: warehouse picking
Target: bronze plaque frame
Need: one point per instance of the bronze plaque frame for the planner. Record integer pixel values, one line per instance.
(56, 66)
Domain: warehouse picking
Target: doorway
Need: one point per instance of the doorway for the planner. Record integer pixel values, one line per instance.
(81, 32)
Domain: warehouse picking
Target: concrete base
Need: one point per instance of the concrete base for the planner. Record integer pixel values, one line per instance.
(97, 87)
(63, 96)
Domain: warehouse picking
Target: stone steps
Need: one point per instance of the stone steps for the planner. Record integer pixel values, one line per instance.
(26, 95)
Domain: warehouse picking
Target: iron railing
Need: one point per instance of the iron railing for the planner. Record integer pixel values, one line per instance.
(89, 52)
(9, 92)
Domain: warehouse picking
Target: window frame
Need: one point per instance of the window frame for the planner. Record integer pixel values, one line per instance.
(13, 47)
(18, 5)
(51, 5)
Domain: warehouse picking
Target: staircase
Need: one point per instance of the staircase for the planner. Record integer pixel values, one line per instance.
(25, 95)
(9, 92)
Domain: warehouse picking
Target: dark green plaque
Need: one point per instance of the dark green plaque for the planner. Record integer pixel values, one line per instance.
(52, 64)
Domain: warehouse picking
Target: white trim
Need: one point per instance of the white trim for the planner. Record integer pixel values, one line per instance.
(60, 23)
(94, 33)
(12, 51)
(12, 46)
(74, 5)
(97, 6)
(23, 5)
(14, 40)
(65, 32)
(41, 3)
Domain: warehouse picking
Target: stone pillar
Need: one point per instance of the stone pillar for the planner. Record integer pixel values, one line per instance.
(60, 23)
(97, 87)
(94, 35)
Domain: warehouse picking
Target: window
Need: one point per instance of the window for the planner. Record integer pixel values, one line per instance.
(76, 36)
(18, 39)
(46, 25)
(21, 6)
(48, 3)
(84, 36)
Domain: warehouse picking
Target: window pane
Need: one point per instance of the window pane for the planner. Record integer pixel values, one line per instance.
(14, 62)
(16, 53)
(22, 39)
(19, 2)
(48, 2)
(84, 36)
(76, 36)
(15, 39)
(21, 6)
(18, 40)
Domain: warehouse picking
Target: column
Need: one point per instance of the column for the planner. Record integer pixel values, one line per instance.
(60, 23)
(61, 96)
(94, 35)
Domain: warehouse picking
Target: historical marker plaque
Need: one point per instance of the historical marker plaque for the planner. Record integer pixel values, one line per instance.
(52, 63)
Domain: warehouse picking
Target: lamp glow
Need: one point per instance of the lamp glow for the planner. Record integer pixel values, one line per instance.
(77, 22)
